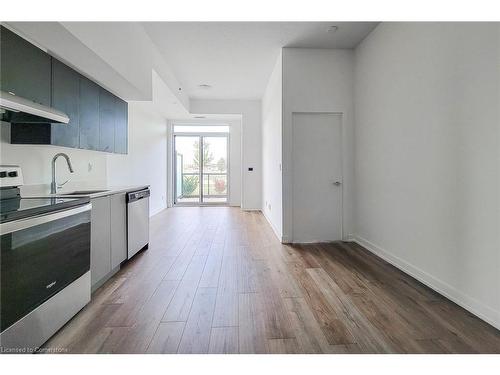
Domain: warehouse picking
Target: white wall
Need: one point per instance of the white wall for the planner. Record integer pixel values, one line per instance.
(427, 161)
(235, 171)
(251, 150)
(146, 161)
(35, 162)
(318, 80)
(272, 110)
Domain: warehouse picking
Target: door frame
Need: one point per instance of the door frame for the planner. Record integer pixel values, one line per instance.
(342, 156)
(200, 136)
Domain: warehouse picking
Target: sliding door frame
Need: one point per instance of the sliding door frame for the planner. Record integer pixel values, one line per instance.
(201, 136)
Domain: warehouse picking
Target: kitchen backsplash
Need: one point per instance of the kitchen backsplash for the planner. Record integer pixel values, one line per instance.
(35, 161)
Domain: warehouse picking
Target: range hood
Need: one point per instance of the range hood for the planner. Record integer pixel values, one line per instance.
(15, 109)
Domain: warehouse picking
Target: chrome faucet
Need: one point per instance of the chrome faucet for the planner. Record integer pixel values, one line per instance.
(53, 185)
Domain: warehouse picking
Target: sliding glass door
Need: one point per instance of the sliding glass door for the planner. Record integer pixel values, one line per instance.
(201, 169)
(214, 176)
(187, 169)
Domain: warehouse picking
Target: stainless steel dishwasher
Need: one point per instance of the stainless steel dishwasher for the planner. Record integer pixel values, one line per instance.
(137, 221)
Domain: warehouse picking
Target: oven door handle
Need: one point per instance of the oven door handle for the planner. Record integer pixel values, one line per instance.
(16, 225)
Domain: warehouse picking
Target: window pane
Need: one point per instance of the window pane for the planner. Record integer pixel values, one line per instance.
(201, 128)
(215, 169)
(187, 184)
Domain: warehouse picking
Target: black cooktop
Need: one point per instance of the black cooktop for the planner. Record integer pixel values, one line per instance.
(20, 208)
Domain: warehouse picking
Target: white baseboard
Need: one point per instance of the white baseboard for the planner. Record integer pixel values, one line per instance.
(469, 303)
(349, 238)
(157, 211)
(276, 232)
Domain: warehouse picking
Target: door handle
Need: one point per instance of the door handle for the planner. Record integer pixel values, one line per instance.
(337, 183)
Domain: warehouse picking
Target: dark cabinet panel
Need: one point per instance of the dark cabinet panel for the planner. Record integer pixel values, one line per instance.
(30, 134)
(89, 114)
(121, 126)
(98, 119)
(107, 115)
(65, 97)
(25, 69)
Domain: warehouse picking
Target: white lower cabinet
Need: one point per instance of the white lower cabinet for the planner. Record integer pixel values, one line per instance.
(108, 236)
(100, 244)
(118, 229)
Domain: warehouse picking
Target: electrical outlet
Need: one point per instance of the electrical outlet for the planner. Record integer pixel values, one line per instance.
(89, 167)
(269, 206)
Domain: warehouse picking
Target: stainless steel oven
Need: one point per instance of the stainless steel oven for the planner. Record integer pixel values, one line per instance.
(45, 268)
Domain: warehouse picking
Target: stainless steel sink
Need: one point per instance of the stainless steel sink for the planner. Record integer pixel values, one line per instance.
(84, 192)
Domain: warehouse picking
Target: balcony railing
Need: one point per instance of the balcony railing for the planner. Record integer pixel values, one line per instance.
(214, 185)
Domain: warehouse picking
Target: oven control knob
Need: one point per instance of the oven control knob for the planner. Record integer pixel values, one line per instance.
(13, 174)
(3, 174)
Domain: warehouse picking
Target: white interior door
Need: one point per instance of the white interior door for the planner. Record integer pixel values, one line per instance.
(317, 177)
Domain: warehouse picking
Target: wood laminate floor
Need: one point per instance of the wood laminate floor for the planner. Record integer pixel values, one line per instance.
(216, 280)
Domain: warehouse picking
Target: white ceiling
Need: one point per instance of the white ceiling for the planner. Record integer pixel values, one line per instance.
(236, 58)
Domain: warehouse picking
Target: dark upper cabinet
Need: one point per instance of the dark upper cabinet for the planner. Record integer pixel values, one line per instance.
(65, 97)
(89, 114)
(121, 126)
(107, 116)
(25, 69)
(98, 119)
